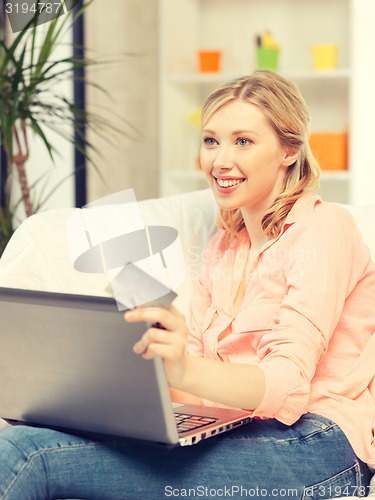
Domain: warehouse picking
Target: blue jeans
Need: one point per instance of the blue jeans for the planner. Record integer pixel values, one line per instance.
(311, 459)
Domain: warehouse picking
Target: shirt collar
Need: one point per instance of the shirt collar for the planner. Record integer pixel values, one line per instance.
(302, 207)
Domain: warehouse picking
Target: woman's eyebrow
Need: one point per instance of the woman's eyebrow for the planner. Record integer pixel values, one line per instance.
(235, 132)
(239, 132)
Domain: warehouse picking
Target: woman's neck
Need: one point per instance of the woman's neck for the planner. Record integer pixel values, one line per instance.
(253, 224)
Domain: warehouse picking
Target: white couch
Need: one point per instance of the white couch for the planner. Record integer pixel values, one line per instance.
(37, 257)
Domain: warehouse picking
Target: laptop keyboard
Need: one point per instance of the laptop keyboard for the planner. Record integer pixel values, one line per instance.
(190, 422)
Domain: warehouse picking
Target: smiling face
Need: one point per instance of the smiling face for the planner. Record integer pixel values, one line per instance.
(242, 158)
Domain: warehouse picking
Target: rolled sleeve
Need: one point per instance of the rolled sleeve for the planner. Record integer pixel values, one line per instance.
(326, 258)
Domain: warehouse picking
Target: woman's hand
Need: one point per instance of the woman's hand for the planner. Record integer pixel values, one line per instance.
(233, 384)
(169, 343)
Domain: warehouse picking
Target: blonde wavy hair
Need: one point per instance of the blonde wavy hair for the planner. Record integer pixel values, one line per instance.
(286, 111)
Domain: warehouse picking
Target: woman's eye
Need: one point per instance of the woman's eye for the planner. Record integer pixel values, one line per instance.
(209, 141)
(242, 141)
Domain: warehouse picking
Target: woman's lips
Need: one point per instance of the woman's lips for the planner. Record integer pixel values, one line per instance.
(227, 185)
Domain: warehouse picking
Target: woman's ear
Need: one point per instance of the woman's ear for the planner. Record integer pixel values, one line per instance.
(290, 157)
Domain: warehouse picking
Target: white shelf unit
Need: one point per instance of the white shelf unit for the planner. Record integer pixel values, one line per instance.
(335, 98)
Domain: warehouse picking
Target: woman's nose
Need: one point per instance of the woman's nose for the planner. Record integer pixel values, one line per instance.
(224, 159)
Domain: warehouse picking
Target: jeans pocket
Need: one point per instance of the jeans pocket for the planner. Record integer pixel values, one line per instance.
(310, 424)
(344, 484)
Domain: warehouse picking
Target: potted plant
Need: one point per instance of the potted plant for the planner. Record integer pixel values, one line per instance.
(29, 102)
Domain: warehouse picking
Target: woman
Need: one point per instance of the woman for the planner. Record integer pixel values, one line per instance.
(283, 324)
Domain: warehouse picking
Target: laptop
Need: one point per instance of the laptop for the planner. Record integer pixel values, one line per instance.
(66, 362)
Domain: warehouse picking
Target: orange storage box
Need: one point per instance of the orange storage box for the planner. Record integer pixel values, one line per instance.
(209, 60)
(330, 149)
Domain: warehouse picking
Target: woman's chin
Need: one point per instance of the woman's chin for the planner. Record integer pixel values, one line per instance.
(226, 204)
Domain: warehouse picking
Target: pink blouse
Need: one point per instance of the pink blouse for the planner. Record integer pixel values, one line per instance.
(307, 318)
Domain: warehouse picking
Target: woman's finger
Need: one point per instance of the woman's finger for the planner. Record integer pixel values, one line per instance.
(167, 352)
(165, 317)
(154, 335)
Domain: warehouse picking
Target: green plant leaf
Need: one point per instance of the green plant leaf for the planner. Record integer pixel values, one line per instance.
(41, 134)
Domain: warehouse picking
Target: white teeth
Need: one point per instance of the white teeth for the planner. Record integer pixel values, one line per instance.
(227, 183)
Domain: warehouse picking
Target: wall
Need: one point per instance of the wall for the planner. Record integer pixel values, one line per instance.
(362, 153)
(126, 34)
